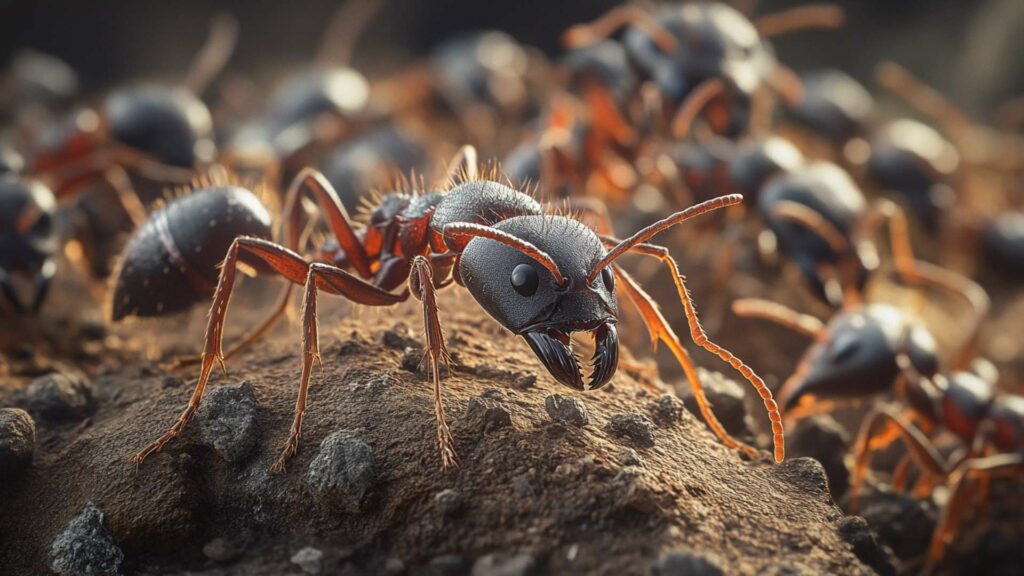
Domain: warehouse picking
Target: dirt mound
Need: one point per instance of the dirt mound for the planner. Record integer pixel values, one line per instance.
(629, 490)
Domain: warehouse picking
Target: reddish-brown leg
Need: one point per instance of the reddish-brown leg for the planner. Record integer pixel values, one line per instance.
(583, 35)
(782, 315)
(960, 483)
(921, 449)
(659, 329)
(701, 339)
(421, 285)
(295, 270)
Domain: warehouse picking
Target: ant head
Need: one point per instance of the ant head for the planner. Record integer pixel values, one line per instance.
(482, 67)
(757, 160)
(859, 356)
(605, 63)
(966, 401)
(28, 235)
(171, 125)
(522, 292)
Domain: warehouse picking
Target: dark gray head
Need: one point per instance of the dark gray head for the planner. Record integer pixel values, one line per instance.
(527, 298)
(28, 238)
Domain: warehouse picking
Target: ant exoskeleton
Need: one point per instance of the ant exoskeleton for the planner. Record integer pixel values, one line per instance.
(965, 404)
(834, 114)
(541, 275)
(859, 352)
(161, 132)
(678, 48)
(28, 240)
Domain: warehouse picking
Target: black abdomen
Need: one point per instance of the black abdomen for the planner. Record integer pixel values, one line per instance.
(171, 263)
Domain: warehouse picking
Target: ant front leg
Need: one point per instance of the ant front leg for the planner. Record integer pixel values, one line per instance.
(661, 328)
(921, 449)
(421, 285)
(293, 268)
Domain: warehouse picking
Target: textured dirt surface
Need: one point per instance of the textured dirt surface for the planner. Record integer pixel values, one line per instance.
(567, 499)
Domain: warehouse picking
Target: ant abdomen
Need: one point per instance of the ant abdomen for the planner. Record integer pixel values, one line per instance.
(171, 262)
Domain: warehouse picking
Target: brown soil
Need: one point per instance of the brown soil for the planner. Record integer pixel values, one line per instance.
(570, 497)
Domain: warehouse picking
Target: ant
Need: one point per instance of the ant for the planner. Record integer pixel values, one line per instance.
(28, 240)
(964, 403)
(833, 116)
(539, 274)
(162, 132)
(860, 351)
(678, 49)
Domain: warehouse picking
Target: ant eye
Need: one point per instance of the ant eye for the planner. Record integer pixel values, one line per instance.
(525, 279)
(608, 278)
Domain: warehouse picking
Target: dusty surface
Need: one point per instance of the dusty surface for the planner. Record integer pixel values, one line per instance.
(570, 499)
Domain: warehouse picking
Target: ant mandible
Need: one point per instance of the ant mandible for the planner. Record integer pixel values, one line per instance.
(539, 274)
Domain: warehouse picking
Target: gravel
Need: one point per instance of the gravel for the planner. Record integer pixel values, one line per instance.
(344, 472)
(85, 548)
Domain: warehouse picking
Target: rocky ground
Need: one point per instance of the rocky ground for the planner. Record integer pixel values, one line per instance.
(618, 481)
(551, 481)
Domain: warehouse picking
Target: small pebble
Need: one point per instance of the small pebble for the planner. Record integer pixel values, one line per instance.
(413, 360)
(687, 563)
(393, 567)
(227, 422)
(629, 457)
(566, 410)
(221, 550)
(449, 565)
(17, 441)
(504, 565)
(487, 414)
(344, 472)
(667, 410)
(449, 502)
(310, 560)
(58, 396)
(399, 337)
(632, 426)
(524, 381)
(85, 547)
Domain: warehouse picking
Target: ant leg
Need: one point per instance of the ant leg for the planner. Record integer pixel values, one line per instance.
(289, 265)
(701, 339)
(900, 474)
(800, 18)
(607, 115)
(421, 285)
(336, 281)
(694, 104)
(921, 448)
(659, 329)
(782, 315)
(119, 181)
(959, 498)
(583, 35)
(338, 219)
(214, 54)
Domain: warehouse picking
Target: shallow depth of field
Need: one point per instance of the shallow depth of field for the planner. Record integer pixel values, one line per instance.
(452, 288)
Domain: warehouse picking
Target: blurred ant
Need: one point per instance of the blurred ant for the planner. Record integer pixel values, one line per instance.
(861, 350)
(677, 49)
(34, 89)
(162, 132)
(970, 161)
(28, 241)
(966, 404)
(541, 275)
(833, 116)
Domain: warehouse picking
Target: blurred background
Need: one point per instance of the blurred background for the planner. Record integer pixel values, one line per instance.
(968, 49)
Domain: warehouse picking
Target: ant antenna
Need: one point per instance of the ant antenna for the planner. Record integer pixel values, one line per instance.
(347, 24)
(215, 53)
(458, 234)
(806, 17)
(662, 225)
